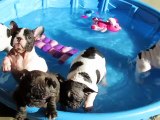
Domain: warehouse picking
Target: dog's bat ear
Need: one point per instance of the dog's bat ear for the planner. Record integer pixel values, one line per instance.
(13, 27)
(38, 32)
(20, 75)
(8, 32)
(50, 82)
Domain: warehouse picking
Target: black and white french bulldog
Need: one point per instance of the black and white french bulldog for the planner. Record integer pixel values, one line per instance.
(36, 88)
(5, 38)
(86, 71)
(147, 59)
(23, 55)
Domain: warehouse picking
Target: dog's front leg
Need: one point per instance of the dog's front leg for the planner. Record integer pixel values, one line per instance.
(51, 112)
(21, 106)
(6, 64)
(21, 114)
(88, 105)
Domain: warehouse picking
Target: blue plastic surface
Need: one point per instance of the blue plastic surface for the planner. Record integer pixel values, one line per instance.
(123, 99)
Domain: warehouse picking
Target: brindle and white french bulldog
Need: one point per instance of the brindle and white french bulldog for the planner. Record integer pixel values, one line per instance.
(86, 71)
(36, 88)
(23, 55)
(147, 59)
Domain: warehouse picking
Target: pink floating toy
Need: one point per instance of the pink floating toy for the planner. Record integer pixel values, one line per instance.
(111, 24)
(59, 51)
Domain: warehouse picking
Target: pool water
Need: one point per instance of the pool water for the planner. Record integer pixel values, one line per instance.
(120, 49)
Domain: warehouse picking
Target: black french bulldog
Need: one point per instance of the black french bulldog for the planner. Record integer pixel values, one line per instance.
(36, 88)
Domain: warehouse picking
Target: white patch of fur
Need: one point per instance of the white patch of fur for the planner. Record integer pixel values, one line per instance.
(20, 35)
(89, 66)
(148, 59)
(90, 99)
(34, 62)
(4, 40)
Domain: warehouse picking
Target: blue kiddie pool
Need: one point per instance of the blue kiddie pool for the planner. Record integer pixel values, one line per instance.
(123, 98)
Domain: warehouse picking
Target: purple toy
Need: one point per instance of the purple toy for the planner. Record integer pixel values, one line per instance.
(64, 57)
(59, 51)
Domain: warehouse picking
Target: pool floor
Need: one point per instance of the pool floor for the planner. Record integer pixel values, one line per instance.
(120, 49)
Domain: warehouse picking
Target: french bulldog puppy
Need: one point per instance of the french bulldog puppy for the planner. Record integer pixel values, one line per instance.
(86, 71)
(23, 55)
(5, 38)
(36, 88)
(147, 59)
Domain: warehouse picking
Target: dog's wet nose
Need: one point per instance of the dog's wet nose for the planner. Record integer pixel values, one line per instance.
(19, 39)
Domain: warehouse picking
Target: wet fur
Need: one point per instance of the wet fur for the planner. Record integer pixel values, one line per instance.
(77, 90)
(38, 89)
(74, 92)
(147, 59)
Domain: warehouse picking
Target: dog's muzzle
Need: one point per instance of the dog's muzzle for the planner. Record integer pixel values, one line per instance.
(74, 105)
(31, 101)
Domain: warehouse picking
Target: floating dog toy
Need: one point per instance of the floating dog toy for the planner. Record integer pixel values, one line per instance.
(111, 24)
(59, 51)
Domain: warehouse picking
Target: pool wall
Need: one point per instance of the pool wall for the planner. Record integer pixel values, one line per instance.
(11, 9)
(144, 14)
(18, 8)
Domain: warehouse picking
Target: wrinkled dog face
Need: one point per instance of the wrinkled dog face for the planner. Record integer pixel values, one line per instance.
(37, 93)
(74, 94)
(23, 38)
(5, 37)
(38, 87)
(75, 99)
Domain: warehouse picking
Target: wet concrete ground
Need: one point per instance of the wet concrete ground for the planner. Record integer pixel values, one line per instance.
(153, 3)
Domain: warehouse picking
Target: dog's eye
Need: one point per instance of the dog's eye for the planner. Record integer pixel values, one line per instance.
(71, 97)
(31, 96)
(29, 37)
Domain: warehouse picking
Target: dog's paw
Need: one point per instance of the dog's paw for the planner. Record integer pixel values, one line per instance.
(51, 115)
(20, 116)
(6, 67)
